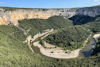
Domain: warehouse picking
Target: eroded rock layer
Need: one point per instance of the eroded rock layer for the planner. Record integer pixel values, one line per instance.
(8, 17)
(12, 16)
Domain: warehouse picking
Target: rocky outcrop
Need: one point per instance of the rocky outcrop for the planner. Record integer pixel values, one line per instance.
(92, 11)
(12, 16)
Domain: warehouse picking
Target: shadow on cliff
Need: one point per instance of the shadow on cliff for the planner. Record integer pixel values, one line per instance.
(79, 18)
(82, 19)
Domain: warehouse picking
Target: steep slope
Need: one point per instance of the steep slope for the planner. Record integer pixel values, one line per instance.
(39, 25)
(69, 38)
(94, 25)
(85, 15)
(12, 15)
(89, 11)
(13, 52)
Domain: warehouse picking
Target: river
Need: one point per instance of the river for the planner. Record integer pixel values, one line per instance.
(88, 49)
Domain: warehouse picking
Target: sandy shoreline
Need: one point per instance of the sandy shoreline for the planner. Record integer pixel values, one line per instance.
(57, 52)
(54, 51)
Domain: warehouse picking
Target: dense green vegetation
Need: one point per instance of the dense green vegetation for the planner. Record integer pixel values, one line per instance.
(15, 53)
(39, 25)
(67, 36)
(12, 50)
(71, 37)
(92, 23)
(80, 19)
(94, 26)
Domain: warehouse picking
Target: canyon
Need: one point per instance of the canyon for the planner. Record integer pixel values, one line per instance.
(12, 16)
(39, 37)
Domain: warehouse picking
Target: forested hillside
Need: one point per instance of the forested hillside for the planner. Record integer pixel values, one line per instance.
(38, 25)
(14, 53)
(94, 26)
(71, 37)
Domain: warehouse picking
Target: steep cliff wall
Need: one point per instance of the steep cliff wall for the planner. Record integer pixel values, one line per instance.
(12, 16)
(7, 17)
(92, 11)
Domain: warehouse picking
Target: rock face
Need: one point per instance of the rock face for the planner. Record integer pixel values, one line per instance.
(92, 11)
(12, 16)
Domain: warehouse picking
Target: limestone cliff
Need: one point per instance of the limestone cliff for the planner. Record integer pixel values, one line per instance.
(12, 16)
(89, 11)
